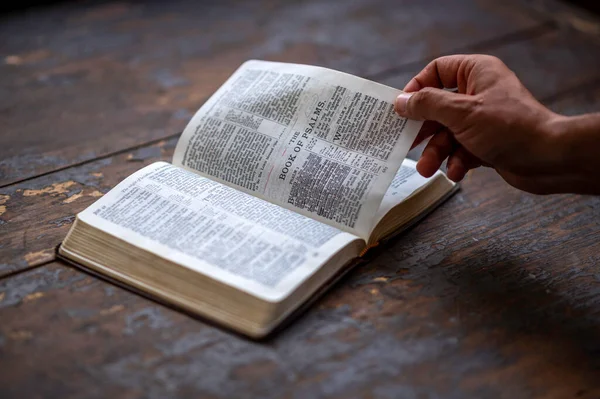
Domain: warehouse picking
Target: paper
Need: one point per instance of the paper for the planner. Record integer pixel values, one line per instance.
(238, 239)
(319, 142)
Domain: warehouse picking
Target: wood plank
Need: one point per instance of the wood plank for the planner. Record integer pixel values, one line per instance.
(37, 214)
(496, 294)
(557, 61)
(583, 100)
(583, 15)
(79, 81)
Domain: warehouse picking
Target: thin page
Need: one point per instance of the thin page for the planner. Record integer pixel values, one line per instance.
(319, 142)
(406, 182)
(233, 237)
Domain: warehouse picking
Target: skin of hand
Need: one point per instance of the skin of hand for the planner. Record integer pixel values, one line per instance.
(493, 120)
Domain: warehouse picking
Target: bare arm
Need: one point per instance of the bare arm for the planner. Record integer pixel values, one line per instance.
(494, 121)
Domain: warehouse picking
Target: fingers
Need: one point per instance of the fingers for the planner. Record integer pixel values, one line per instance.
(443, 72)
(449, 109)
(428, 129)
(425, 99)
(460, 162)
(443, 146)
(437, 150)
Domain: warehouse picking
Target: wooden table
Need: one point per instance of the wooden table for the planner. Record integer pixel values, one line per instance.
(496, 294)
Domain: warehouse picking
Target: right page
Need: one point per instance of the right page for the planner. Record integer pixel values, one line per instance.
(406, 182)
(322, 143)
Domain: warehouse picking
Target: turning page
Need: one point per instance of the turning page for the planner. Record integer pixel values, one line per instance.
(322, 143)
(238, 239)
(406, 182)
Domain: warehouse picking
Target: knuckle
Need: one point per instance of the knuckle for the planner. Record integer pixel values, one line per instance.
(419, 101)
(493, 59)
(495, 64)
(490, 60)
(431, 67)
(473, 105)
(468, 111)
(424, 95)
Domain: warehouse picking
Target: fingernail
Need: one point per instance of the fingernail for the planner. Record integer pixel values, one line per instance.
(401, 102)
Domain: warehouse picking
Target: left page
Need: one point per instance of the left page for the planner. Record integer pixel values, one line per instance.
(233, 237)
(320, 142)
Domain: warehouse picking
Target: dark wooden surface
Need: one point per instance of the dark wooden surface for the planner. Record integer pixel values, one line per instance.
(110, 75)
(496, 294)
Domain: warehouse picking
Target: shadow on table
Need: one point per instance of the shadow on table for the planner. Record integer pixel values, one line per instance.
(548, 334)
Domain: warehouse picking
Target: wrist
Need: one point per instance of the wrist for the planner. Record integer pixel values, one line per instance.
(575, 141)
(559, 142)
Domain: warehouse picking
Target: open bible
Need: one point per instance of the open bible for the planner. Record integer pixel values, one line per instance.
(279, 184)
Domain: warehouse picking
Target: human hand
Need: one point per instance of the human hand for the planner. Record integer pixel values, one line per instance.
(493, 121)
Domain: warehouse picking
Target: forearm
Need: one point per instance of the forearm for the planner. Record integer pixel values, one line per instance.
(578, 146)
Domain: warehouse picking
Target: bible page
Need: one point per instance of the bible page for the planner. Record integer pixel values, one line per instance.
(233, 237)
(322, 143)
(406, 182)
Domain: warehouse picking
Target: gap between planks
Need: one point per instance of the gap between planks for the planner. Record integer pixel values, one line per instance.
(514, 37)
(562, 94)
(509, 38)
(30, 268)
(525, 34)
(87, 161)
(547, 100)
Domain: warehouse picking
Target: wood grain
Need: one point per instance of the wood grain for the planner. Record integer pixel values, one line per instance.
(582, 100)
(494, 295)
(80, 81)
(553, 65)
(36, 214)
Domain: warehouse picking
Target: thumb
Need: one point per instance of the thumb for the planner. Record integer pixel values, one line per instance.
(442, 106)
